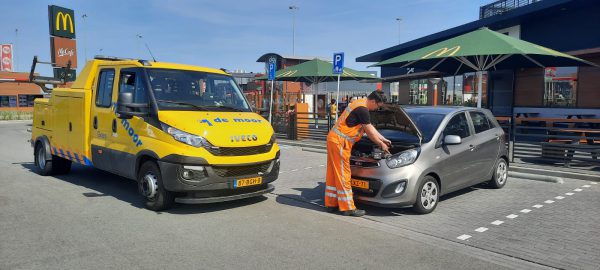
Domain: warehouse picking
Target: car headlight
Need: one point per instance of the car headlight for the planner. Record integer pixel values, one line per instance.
(273, 139)
(402, 159)
(187, 138)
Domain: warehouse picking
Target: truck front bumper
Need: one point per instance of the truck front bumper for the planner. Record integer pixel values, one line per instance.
(199, 182)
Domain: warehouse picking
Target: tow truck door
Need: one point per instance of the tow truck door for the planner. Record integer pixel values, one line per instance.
(103, 118)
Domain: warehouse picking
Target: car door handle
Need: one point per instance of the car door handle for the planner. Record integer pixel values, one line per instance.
(114, 125)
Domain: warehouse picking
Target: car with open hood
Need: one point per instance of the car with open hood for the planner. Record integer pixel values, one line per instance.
(434, 151)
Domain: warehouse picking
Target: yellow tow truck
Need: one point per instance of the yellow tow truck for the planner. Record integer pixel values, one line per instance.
(185, 133)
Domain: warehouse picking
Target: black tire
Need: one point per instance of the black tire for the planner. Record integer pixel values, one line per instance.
(428, 196)
(44, 167)
(160, 199)
(500, 175)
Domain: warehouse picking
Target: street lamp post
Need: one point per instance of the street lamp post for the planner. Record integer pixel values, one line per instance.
(399, 20)
(84, 37)
(294, 9)
(15, 58)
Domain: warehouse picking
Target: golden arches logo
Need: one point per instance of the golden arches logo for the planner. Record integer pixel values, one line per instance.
(60, 15)
(443, 51)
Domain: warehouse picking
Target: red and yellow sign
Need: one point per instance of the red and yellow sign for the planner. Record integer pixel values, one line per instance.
(6, 57)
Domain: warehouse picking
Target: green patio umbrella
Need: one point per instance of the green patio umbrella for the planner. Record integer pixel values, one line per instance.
(482, 50)
(316, 71)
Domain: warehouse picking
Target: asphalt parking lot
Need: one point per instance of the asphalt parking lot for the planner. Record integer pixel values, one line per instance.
(90, 219)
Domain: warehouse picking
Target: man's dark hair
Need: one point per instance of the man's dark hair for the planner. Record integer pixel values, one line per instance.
(377, 96)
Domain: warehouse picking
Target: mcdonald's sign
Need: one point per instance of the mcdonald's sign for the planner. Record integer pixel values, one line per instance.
(445, 51)
(62, 22)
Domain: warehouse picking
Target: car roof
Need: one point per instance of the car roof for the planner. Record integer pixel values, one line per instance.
(445, 110)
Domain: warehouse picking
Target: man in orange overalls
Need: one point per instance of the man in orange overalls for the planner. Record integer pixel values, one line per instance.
(349, 128)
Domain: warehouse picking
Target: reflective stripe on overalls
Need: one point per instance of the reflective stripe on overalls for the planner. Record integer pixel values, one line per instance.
(338, 191)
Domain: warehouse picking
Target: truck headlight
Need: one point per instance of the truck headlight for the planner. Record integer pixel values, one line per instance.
(273, 139)
(187, 138)
(402, 159)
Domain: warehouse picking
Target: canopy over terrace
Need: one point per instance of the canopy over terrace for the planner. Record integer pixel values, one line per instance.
(482, 50)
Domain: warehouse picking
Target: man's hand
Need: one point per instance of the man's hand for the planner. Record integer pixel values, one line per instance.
(386, 141)
(384, 147)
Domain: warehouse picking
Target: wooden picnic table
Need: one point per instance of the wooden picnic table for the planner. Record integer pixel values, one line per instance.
(586, 135)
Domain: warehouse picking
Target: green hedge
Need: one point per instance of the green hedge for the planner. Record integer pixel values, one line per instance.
(14, 115)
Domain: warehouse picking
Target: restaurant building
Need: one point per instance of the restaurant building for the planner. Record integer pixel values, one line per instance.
(570, 26)
(15, 93)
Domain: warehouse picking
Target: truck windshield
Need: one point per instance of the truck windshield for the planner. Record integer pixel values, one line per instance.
(194, 90)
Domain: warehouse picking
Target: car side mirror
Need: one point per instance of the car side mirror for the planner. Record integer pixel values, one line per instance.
(452, 140)
(125, 106)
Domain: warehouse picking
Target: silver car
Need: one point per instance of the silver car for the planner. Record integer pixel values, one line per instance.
(435, 150)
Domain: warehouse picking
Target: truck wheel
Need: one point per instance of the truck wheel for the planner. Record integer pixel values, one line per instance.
(500, 174)
(150, 185)
(45, 167)
(428, 196)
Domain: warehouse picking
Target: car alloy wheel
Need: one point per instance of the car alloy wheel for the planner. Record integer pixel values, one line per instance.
(429, 195)
(501, 172)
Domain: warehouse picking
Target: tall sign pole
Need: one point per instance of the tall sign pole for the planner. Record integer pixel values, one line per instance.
(338, 68)
(271, 72)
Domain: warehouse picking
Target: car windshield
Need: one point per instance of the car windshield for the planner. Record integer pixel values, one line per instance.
(427, 123)
(194, 90)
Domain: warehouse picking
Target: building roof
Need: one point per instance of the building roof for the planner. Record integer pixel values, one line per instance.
(263, 58)
(504, 20)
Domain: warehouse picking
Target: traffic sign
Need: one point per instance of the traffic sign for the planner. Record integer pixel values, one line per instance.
(271, 71)
(338, 63)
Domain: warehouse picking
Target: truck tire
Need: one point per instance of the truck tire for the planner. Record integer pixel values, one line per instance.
(150, 186)
(61, 165)
(44, 167)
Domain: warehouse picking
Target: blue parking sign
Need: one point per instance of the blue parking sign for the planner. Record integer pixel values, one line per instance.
(272, 68)
(338, 63)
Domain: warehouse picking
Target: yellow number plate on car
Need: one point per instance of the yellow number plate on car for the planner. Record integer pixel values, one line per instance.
(247, 182)
(359, 183)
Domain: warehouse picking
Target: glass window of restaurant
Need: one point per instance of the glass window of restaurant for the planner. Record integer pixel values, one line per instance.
(560, 87)
(470, 86)
(418, 92)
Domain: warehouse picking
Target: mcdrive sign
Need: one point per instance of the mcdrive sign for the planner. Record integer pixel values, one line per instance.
(62, 21)
(63, 50)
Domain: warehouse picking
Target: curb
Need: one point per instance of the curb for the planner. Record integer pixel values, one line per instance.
(313, 150)
(536, 177)
(555, 173)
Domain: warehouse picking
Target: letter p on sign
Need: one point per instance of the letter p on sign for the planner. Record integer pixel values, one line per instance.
(338, 63)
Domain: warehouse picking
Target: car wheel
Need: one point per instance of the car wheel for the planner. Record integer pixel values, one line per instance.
(500, 174)
(150, 185)
(45, 167)
(428, 196)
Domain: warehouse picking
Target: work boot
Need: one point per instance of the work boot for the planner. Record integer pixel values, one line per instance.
(330, 209)
(355, 213)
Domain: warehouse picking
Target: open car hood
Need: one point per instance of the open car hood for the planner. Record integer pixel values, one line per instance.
(393, 117)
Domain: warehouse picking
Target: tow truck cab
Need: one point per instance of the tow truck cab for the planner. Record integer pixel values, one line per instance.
(184, 133)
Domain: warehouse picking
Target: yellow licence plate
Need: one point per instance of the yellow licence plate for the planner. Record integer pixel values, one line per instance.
(359, 183)
(247, 182)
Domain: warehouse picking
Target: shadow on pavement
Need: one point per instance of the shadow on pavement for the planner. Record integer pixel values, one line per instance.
(107, 184)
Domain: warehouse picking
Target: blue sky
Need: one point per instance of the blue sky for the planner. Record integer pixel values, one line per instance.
(230, 34)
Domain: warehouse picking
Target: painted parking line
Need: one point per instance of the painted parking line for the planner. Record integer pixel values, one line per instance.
(321, 165)
(294, 170)
(497, 222)
(559, 197)
(569, 193)
(481, 229)
(463, 237)
(549, 201)
(593, 183)
(525, 211)
(308, 168)
(512, 216)
(586, 186)
(578, 189)
(538, 206)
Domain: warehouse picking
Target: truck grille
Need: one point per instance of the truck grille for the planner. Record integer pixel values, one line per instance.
(240, 151)
(229, 171)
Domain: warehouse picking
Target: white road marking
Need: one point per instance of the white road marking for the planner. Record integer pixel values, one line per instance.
(593, 183)
(308, 168)
(549, 201)
(525, 211)
(586, 186)
(569, 193)
(463, 237)
(497, 222)
(321, 165)
(481, 229)
(559, 197)
(511, 216)
(577, 189)
(294, 170)
(538, 206)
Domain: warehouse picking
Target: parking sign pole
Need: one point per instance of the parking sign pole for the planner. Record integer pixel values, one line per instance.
(337, 98)
(271, 101)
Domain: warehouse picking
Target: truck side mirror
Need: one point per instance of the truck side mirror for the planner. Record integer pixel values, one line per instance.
(123, 105)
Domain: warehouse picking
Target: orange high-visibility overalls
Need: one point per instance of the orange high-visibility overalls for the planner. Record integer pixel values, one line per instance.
(338, 191)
